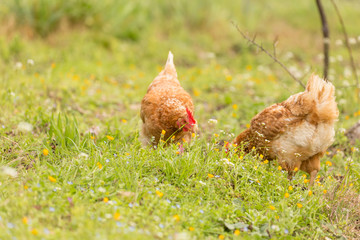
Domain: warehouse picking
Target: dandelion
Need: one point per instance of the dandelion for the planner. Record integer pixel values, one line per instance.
(34, 231)
(92, 137)
(266, 161)
(192, 135)
(176, 217)
(234, 115)
(191, 229)
(52, 179)
(290, 188)
(296, 169)
(228, 78)
(306, 181)
(110, 138)
(310, 193)
(210, 175)
(347, 117)
(127, 154)
(279, 168)
(221, 237)
(25, 220)
(325, 191)
(106, 199)
(116, 216)
(216, 135)
(234, 106)
(241, 157)
(299, 205)
(196, 92)
(53, 65)
(160, 194)
(287, 195)
(163, 132)
(124, 120)
(255, 167)
(272, 207)
(261, 156)
(237, 232)
(248, 67)
(253, 148)
(45, 152)
(26, 187)
(328, 163)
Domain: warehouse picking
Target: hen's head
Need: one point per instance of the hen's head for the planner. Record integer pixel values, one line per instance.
(188, 123)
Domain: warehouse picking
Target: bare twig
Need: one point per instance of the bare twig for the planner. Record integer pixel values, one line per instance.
(326, 40)
(352, 62)
(269, 54)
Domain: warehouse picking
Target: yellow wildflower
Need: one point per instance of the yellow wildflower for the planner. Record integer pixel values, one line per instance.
(290, 188)
(266, 161)
(296, 169)
(328, 163)
(325, 191)
(192, 135)
(299, 205)
(163, 132)
(160, 194)
(45, 152)
(109, 137)
(216, 135)
(241, 157)
(248, 67)
(124, 120)
(234, 115)
(52, 179)
(277, 217)
(228, 78)
(34, 231)
(306, 181)
(25, 220)
(191, 229)
(286, 195)
(196, 92)
(237, 232)
(279, 168)
(116, 216)
(234, 106)
(221, 237)
(347, 117)
(106, 199)
(176, 217)
(26, 187)
(210, 175)
(272, 207)
(99, 165)
(53, 65)
(247, 125)
(261, 156)
(92, 137)
(310, 193)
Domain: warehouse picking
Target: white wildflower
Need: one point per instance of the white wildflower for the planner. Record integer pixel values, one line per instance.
(84, 155)
(25, 127)
(8, 171)
(352, 41)
(101, 189)
(226, 161)
(338, 42)
(202, 183)
(342, 130)
(30, 62)
(212, 121)
(18, 65)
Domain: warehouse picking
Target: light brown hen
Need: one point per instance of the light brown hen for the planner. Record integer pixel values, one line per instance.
(296, 132)
(167, 110)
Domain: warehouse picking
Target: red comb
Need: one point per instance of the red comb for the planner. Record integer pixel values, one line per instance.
(192, 120)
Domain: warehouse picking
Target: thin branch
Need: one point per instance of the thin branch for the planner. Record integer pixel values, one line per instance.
(326, 40)
(269, 54)
(352, 62)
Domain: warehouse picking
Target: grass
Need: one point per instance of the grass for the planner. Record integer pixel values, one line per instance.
(71, 163)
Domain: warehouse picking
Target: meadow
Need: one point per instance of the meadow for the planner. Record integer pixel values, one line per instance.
(72, 76)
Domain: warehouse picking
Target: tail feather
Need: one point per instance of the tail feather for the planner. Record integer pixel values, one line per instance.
(323, 93)
(169, 66)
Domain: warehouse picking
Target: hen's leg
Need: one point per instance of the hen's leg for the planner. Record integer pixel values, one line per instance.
(312, 166)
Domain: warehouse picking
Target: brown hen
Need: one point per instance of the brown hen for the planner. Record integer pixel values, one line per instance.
(297, 131)
(167, 109)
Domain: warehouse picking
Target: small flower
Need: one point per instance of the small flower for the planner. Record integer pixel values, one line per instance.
(248, 125)
(277, 217)
(328, 163)
(25, 220)
(325, 191)
(124, 120)
(347, 117)
(286, 195)
(53, 65)
(160, 194)
(193, 135)
(279, 168)
(221, 237)
(106, 199)
(92, 137)
(52, 179)
(191, 229)
(45, 152)
(310, 193)
(234, 115)
(212, 121)
(261, 156)
(228, 78)
(116, 216)
(210, 175)
(266, 161)
(272, 207)
(216, 135)
(296, 169)
(26, 187)
(176, 217)
(237, 232)
(234, 106)
(34, 231)
(306, 181)
(299, 205)
(163, 132)
(109, 137)
(99, 165)
(290, 188)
